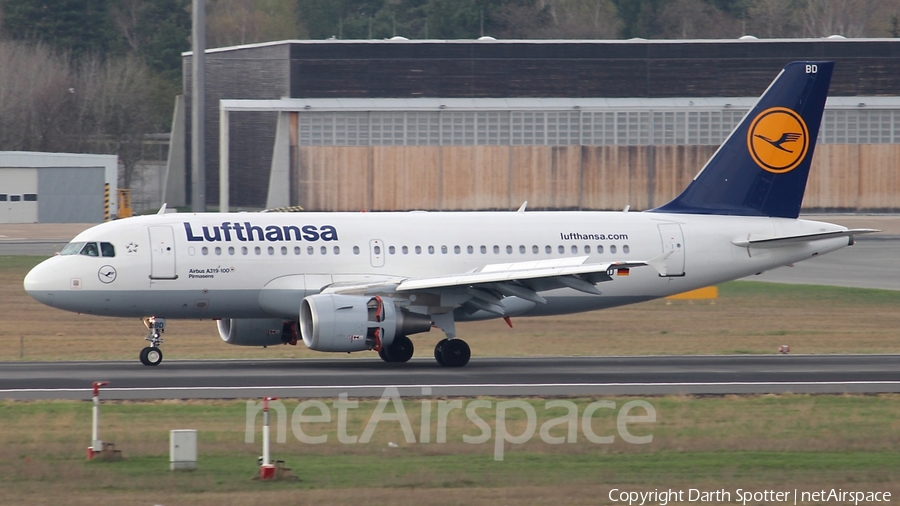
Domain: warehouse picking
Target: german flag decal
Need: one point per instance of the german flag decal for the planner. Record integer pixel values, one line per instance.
(623, 272)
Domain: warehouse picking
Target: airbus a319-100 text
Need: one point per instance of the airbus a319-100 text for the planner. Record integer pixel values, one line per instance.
(348, 282)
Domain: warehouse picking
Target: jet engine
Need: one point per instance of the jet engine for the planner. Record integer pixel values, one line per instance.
(256, 331)
(345, 323)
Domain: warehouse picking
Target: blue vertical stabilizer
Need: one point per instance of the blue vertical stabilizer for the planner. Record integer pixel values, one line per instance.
(762, 167)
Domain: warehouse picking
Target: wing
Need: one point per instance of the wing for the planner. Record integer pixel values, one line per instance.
(484, 288)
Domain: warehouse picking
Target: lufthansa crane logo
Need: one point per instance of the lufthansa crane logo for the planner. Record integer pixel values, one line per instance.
(778, 140)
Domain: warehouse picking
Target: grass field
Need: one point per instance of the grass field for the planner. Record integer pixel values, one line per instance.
(747, 318)
(750, 442)
(754, 443)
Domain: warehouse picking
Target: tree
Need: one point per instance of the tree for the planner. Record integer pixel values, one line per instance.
(156, 30)
(234, 22)
(76, 26)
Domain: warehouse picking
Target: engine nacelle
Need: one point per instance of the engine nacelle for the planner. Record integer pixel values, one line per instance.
(256, 331)
(344, 323)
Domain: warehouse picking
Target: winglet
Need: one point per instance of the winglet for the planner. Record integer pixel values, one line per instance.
(659, 262)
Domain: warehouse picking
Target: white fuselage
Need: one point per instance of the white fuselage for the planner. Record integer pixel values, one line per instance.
(191, 266)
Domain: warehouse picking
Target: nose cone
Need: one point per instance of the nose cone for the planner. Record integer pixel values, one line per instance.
(42, 281)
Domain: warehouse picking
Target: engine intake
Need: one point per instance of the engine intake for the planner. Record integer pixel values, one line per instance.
(345, 323)
(256, 332)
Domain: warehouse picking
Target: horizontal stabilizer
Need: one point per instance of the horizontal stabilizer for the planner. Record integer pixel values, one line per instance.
(776, 242)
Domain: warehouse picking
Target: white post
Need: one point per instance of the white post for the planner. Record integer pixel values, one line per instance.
(223, 160)
(266, 435)
(96, 444)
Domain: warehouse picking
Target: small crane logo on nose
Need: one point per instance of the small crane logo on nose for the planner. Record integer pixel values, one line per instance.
(107, 274)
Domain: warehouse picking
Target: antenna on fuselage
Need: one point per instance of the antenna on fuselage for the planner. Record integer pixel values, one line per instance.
(522, 207)
(162, 209)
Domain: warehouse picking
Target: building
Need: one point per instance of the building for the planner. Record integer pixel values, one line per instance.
(56, 187)
(348, 125)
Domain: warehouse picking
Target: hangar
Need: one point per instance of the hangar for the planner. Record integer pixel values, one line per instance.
(348, 125)
(56, 187)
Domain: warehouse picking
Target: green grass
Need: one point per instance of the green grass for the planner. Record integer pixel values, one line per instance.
(804, 441)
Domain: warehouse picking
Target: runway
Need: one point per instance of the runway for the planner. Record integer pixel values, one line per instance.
(557, 376)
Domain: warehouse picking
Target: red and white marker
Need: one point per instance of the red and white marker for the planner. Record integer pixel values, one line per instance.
(266, 469)
(96, 445)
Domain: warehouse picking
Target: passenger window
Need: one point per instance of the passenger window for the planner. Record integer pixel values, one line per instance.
(483, 249)
(296, 250)
(612, 249)
(626, 249)
(599, 248)
(271, 250)
(470, 249)
(284, 250)
(310, 250)
(218, 250)
(457, 250)
(496, 249)
(535, 249)
(231, 250)
(337, 250)
(377, 249)
(257, 250)
(324, 250)
(204, 250)
(405, 250)
(574, 249)
(508, 249)
(90, 249)
(562, 249)
(356, 250)
(107, 249)
(444, 250)
(548, 249)
(431, 250)
(522, 249)
(392, 250)
(587, 249)
(418, 250)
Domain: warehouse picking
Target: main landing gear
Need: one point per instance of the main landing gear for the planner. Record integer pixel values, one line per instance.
(448, 352)
(452, 352)
(400, 350)
(153, 355)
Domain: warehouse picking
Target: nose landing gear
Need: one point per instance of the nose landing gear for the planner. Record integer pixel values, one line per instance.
(153, 355)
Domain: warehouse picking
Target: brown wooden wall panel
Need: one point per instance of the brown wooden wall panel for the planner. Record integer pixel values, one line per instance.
(879, 176)
(333, 178)
(405, 177)
(548, 177)
(450, 178)
(475, 177)
(833, 178)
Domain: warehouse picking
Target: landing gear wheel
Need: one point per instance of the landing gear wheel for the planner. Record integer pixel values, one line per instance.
(438, 355)
(383, 354)
(455, 353)
(401, 350)
(151, 355)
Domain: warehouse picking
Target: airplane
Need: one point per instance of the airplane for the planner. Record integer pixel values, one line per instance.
(349, 282)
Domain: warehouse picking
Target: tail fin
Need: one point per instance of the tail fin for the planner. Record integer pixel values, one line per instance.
(762, 167)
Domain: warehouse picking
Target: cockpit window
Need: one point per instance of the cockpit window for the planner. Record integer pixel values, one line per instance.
(107, 249)
(72, 248)
(90, 249)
